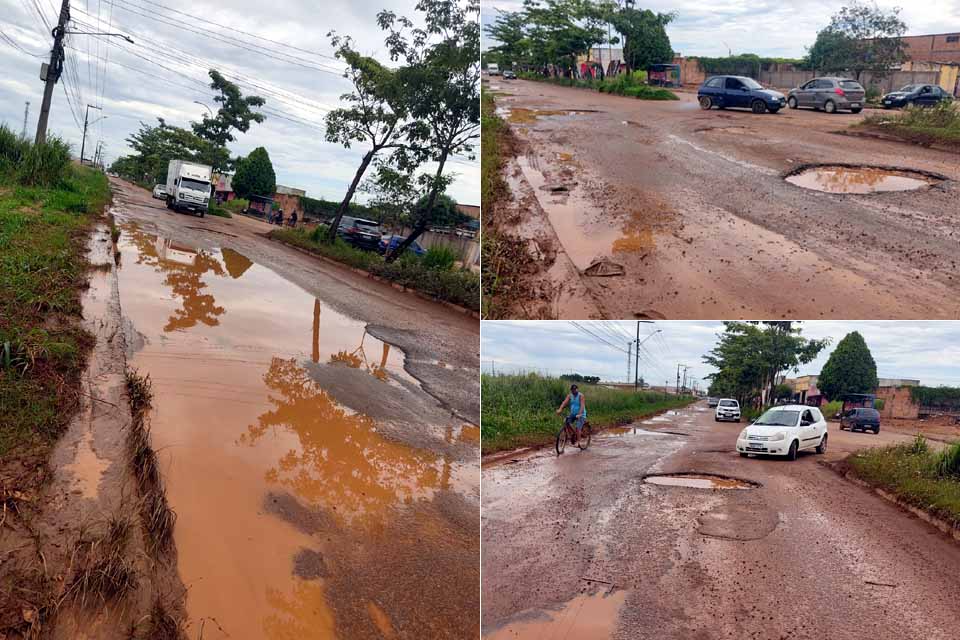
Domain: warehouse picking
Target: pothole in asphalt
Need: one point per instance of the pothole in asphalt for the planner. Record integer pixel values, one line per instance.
(700, 481)
(860, 179)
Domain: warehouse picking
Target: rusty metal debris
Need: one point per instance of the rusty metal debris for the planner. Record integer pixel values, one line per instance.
(604, 269)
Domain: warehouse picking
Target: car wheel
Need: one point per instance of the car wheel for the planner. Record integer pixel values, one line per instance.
(705, 103)
(792, 454)
(830, 106)
(792, 102)
(758, 106)
(876, 430)
(743, 455)
(822, 447)
(855, 110)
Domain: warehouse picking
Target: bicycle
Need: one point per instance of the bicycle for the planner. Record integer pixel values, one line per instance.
(568, 433)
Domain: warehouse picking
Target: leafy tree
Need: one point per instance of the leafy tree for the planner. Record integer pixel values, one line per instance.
(255, 175)
(509, 30)
(236, 112)
(849, 369)
(751, 358)
(155, 146)
(561, 30)
(859, 38)
(782, 392)
(443, 81)
(377, 115)
(645, 39)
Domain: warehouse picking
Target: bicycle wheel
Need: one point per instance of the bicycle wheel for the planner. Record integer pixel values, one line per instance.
(561, 439)
(585, 432)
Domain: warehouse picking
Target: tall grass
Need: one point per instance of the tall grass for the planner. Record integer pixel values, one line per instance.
(33, 164)
(925, 125)
(521, 409)
(440, 257)
(633, 85)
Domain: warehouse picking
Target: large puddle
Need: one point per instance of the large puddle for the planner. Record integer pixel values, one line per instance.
(700, 481)
(586, 617)
(288, 494)
(858, 180)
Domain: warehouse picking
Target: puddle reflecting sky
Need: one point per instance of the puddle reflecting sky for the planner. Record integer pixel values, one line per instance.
(857, 180)
(236, 416)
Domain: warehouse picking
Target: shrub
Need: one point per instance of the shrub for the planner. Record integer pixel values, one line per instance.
(236, 205)
(919, 446)
(33, 164)
(832, 408)
(440, 258)
(947, 463)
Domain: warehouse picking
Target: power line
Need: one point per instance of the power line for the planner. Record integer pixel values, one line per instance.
(16, 45)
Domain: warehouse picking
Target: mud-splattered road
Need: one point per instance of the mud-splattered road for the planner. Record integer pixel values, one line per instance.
(317, 433)
(694, 206)
(581, 547)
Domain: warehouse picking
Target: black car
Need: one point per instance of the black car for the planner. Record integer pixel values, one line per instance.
(363, 234)
(739, 91)
(861, 419)
(920, 95)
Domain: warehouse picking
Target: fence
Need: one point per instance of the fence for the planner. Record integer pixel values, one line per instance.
(467, 248)
(790, 79)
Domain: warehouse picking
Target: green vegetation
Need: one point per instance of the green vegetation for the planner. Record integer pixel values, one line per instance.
(220, 212)
(931, 125)
(237, 205)
(460, 286)
(917, 475)
(46, 208)
(945, 398)
(860, 38)
(849, 369)
(831, 408)
(629, 85)
(520, 410)
(255, 175)
(743, 64)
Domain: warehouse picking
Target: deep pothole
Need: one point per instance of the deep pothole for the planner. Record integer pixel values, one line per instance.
(695, 480)
(860, 179)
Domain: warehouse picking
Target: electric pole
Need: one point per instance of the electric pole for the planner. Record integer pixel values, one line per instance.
(26, 114)
(684, 385)
(86, 120)
(629, 357)
(636, 368)
(53, 71)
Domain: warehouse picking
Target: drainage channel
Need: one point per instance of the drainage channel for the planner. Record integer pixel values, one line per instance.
(695, 480)
(860, 180)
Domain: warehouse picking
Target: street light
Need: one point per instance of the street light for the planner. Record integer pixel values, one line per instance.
(86, 122)
(205, 107)
(636, 371)
(92, 33)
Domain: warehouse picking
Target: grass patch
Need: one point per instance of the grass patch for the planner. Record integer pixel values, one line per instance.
(938, 125)
(220, 212)
(520, 410)
(924, 478)
(103, 572)
(630, 85)
(43, 268)
(459, 286)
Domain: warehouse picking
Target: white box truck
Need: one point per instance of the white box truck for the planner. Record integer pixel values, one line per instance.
(493, 69)
(188, 187)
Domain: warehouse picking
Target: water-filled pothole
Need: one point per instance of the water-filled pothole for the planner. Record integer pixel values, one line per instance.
(860, 179)
(700, 481)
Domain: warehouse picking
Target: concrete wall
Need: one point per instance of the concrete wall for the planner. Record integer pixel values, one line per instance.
(897, 403)
(690, 71)
(790, 79)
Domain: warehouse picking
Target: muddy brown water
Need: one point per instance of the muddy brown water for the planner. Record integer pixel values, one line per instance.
(857, 180)
(699, 481)
(238, 418)
(585, 617)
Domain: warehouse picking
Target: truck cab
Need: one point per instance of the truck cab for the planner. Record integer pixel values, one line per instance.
(188, 187)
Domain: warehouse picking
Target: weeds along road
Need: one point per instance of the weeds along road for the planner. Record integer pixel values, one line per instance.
(579, 546)
(694, 205)
(316, 430)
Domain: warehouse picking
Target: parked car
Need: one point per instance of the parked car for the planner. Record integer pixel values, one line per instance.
(861, 419)
(738, 91)
(508, 74)
(389, 243)
(829, 94)
(785, 431)
(361, 233)
(918, 95)
(712, 402)
(160, 192)
(727, 409)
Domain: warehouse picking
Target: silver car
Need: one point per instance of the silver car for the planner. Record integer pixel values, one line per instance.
(829, 94)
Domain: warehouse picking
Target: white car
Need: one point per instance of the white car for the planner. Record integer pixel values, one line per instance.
(727, 409)
(785, 431)
(160, 192)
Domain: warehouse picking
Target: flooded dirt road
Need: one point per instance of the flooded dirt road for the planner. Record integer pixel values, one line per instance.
(317, 433)
(584, 546)
(698, 209)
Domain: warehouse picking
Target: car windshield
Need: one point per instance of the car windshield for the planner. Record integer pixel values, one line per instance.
(778, 418)
(910, 88)
(852, 85)
(750, 83)
(195, 185)
(728, 403)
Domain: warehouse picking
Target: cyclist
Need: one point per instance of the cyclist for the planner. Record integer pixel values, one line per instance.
(578, 410)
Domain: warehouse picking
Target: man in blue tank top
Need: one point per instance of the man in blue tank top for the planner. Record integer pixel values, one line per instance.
(578, 409)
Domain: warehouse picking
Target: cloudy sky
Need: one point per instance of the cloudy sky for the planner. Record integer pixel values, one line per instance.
(928, 351)
(765, 27)
(164, 72)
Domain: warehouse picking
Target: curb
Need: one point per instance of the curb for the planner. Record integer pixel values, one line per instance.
(367, 274)
(948, 528)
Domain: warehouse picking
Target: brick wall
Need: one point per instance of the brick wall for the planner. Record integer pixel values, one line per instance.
(897, 403)
(934, 48)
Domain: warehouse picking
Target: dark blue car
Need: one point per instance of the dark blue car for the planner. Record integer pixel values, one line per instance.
(738, 91)
(389, 243)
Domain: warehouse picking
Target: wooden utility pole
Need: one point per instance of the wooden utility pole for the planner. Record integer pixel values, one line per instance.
(54, 69)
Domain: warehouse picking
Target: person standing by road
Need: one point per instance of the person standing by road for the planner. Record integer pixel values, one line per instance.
(578, 409)
(293, 219)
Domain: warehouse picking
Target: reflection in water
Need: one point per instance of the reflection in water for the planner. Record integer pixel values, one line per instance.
(358, 358)
(857, 180)
(303, 613)
(184, 268)
(342, 462)
(236, 263)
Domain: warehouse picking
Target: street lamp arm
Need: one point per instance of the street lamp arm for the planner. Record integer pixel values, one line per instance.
(92, 33)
